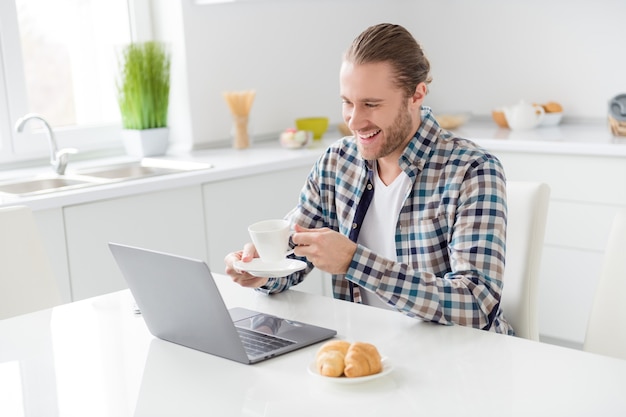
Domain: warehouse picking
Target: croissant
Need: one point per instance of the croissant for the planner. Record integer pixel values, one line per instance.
(330, 358)
(362, 359)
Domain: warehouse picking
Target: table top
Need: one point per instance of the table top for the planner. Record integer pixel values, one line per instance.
(96, 357)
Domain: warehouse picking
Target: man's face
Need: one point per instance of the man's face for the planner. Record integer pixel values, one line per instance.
(381, 118)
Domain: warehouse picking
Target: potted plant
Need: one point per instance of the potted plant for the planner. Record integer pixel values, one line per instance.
(143, 96)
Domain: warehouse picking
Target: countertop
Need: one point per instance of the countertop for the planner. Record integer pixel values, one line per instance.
(567, 139)
(226, 163)
(96, 357)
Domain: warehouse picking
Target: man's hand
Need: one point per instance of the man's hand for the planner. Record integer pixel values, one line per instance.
(328, 250)
(241, 277)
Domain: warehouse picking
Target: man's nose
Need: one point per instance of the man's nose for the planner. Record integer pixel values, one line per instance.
(355, 120)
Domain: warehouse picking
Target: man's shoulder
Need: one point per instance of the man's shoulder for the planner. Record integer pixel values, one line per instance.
(462, 148)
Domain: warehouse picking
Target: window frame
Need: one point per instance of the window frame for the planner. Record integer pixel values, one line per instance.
(32, 144)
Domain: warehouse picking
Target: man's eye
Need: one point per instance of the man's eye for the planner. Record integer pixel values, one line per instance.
(371, 105)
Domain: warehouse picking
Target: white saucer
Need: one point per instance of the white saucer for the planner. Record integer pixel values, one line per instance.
(258, 268)
(387, 368)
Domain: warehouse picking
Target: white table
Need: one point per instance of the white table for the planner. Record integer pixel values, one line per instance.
(96, 358)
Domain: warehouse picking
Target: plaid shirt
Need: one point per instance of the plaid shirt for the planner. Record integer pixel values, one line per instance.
(450, 235)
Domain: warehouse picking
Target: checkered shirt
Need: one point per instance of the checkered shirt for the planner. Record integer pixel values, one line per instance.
(450, 234)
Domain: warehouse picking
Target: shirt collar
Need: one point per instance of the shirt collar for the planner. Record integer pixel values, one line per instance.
(419, 148)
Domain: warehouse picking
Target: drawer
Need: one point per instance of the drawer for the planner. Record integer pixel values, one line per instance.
(579, 225)
(571, 177)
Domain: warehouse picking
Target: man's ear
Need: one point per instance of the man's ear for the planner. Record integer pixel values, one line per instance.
(419, 95)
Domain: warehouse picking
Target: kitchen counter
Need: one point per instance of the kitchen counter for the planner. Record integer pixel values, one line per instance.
(567, 139)
(207, 210)
(226, 163)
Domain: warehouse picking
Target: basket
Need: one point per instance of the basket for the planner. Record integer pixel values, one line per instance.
(617, 128)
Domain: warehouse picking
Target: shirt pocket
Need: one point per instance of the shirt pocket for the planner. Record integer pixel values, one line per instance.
(432, 228)
(430, 243)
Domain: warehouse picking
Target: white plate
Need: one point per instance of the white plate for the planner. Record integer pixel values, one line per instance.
(259, 268)
(387, 368)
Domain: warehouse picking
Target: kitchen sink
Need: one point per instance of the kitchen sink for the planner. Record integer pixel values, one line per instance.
(41, 185)
(141, 169)
(104, 174)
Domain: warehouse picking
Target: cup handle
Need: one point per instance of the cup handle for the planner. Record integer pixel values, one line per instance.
(289, 252)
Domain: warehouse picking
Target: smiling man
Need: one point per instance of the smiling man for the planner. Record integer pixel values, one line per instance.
(403, 214)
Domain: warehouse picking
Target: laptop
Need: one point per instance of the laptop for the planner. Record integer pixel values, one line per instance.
(181, 303)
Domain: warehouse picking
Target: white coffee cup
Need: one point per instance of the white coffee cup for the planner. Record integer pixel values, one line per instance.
(271, 239)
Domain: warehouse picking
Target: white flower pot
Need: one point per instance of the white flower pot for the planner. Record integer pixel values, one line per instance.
(147, 142)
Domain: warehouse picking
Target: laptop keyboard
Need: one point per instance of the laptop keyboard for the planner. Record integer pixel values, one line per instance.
(260, 343)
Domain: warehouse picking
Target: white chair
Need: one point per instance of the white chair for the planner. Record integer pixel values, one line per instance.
(606, 329)
(26, 280)
(526, 222)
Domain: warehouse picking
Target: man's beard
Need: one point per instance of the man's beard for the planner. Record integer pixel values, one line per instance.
(396, 136)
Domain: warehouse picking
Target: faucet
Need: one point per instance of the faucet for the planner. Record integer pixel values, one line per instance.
(58, 158)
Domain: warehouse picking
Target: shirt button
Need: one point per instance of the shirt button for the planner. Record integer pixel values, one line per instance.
(369, 187)
(354, 225)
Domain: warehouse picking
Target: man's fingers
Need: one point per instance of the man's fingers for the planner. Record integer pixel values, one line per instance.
(248, 253)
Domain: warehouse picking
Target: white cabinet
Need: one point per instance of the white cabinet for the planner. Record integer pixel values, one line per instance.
(586, 192)
(169, 221)
(52, 232)
(232, 204)
(209, 219)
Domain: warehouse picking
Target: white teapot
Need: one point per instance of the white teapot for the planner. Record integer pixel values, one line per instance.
(523, 115)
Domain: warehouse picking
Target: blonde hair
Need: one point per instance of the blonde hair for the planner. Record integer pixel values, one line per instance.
(391, 43)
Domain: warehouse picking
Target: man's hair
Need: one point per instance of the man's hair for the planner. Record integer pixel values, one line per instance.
(391, 43)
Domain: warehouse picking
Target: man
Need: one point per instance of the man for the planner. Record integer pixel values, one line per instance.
(403, 214)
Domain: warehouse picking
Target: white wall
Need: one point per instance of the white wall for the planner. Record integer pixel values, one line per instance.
(484, 54)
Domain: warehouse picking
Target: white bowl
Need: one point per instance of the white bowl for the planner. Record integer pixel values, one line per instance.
(551, 119)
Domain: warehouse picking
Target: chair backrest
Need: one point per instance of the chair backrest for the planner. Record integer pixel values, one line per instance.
(606, 329)
(26, 280)
(526, 223)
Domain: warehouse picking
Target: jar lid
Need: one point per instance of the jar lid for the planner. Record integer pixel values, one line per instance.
(617, 107)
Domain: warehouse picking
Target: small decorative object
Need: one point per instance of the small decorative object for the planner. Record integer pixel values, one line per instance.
(317, 125)
(143, 91)
(499, 117)
(553, 114)
(240, 103)
(452, 120)
(617, 115)
(294, 139)
(523, 115)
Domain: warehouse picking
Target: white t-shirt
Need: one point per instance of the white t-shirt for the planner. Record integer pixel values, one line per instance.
(378, 231)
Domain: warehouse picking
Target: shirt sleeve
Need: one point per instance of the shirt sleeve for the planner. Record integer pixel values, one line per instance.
(469, 237)
(306, 214)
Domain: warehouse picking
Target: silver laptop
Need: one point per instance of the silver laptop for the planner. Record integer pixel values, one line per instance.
(181, 303)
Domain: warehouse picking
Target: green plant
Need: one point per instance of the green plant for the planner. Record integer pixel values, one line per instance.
(144, 85)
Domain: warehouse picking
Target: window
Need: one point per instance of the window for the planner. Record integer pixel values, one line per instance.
(59, 59)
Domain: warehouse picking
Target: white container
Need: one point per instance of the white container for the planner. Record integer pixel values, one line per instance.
(147, 142)
(551, 119)
(523, 115)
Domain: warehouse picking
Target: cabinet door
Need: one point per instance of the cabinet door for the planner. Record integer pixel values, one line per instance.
(231, 205)
(51, 229)
(586, 191)
(169, 221)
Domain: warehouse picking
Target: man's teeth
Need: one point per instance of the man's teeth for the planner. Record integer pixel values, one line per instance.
(369, 135)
